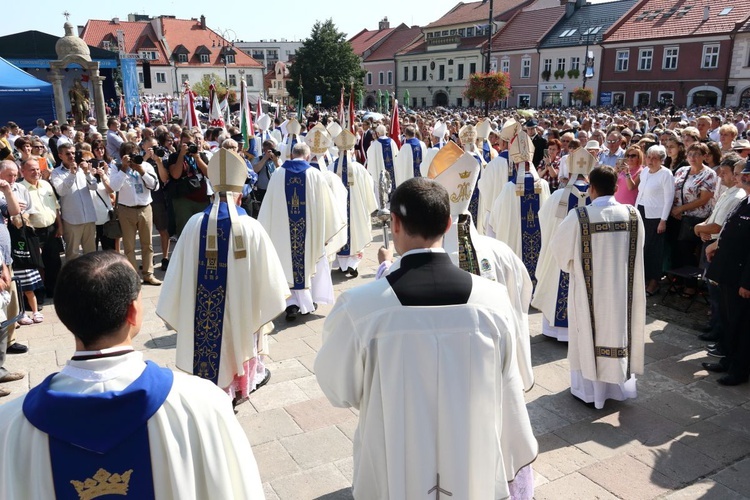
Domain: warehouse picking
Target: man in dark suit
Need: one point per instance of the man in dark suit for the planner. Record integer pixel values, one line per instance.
(729, 266)
(539, 142)
(426, 355)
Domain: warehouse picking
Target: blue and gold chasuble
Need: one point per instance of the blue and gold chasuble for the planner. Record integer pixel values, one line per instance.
(486, 151)
(210, 298)
(531, 231)
(561, 304)
(295, 189)
(474, 201)
(416, 155)
(346, 249)
(98, 443)
(385, 143)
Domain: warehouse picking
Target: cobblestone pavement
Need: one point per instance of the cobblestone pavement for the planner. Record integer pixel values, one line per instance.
(683, 437)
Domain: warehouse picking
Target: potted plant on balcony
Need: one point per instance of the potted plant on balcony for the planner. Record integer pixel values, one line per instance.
(546, 74)
(573, 74)
(560, 73)
(488, 87)
(583, 95)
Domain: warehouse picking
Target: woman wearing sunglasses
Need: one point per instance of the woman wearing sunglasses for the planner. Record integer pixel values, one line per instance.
(629, 175)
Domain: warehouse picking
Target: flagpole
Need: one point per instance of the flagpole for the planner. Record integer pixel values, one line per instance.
(487, 65)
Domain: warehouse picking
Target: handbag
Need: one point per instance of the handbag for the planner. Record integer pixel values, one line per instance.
(111, 229)
(24, 248)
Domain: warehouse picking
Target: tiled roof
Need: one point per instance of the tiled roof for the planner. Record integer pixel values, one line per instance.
(420, 45)
(526, 29)
(365, 39)
(594, 17)
(477, 12)
(670, 18)
(188, 32)
(137, 35)
(396, 41)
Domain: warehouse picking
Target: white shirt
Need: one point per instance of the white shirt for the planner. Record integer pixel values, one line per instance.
(134, 190)
(655, 193)
(726, 204)
(76, 206)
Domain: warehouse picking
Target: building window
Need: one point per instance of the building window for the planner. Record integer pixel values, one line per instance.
(161, 78)
(232, 80)
(182, 58)
(710, 56)
(460, 71)
(575, 63)
(642, 99)
(441, 72)
(249, 80)
(424, 73)
(459, 102)
(390, 78)
(670, 57)
(369, 78)
(424, 102)
(470, 31)
(381, 78)
(229, 58)
(548, 65)
(472, 68)
(526, 67)
(183, 78)
(205, 58)
(505, 66)
(645, 59)
(524, 100)
(140, 77)
(666, 98)
(560, 64)
(406, 73)
(618, 99)
(148, 55)
(414, 73)
(621, 60)
(461, 31)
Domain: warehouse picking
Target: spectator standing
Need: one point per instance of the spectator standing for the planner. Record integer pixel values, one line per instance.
(188, 168)
(612, 151)
(629, 176)
(115, 138)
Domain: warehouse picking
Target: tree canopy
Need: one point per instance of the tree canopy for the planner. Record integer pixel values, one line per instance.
(323, 64)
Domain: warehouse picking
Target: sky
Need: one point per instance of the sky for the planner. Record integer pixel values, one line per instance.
(252, 21)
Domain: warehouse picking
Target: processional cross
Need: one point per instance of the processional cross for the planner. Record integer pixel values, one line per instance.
(438, 490)
(66, 14)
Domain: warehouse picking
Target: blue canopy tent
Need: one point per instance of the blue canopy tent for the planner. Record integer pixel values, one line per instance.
(24, 98)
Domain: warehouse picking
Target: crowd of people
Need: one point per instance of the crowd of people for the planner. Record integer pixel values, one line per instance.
(549, 204)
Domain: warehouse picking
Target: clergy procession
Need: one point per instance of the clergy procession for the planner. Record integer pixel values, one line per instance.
(493, 349)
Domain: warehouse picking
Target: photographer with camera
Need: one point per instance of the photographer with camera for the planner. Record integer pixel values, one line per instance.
(265, 167)
(159, 202)
(134, 180)
(72, 180)
(188, 188)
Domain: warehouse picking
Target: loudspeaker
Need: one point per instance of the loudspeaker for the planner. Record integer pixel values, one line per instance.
(146, 75)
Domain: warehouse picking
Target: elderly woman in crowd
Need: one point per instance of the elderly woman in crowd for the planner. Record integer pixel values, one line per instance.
(690, 136)
(549, 167)
(628, 176)
(694, 188)
(727, 136)
(676, 157)
(654, 202)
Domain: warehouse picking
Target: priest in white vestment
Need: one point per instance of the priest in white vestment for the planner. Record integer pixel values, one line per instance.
(601, 246)
(427, 356)
(292, 137)
(495, 176)
(302, 217)
(468, 137)
(360, 204)
(224, 286)
(551, 293)
(439, 139)
(381, 158)
(514, 217)
(410, 159)
(111, 424)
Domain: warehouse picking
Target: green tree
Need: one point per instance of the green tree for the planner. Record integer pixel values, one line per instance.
(323, 64)
(201, 87)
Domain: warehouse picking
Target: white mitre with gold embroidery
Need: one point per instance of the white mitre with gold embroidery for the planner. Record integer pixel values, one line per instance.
(345, 141)
(520, 151)
(227, 172)
(457, 172)
(319, 140)
(580, 162)
(263, 123)
(484, 127)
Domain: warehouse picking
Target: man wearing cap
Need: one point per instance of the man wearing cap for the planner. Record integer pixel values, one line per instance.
(514, 218)
(110, 424)
(551, 294)
(601, 247)
(381, 157)
(409, 161)
(427, 357)
(539, 142)
(360, 203)
(223, 287)
(302, 217)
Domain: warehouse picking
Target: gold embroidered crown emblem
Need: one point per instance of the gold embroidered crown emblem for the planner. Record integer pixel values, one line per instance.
(103, 483)
(464, 175)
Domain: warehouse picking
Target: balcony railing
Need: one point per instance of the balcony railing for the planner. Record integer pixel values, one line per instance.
(443, 40)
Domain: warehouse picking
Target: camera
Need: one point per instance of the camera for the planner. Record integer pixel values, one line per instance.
(275, 152)
(159, 151)
(192, 149)
(79, 156)
(137, 159)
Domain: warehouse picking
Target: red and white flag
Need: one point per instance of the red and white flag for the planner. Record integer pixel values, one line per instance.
(146, 114)
(189, 114)
(342, 116)
(395, 131)
(214, 113)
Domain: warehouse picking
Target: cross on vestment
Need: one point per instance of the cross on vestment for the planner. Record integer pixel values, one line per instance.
(316, 142)
(582, 162)
(438, 490)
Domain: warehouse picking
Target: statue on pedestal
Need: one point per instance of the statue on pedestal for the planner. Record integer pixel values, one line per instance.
(79, 102)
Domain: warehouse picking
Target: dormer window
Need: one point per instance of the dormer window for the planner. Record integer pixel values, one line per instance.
(183, 58)
(205, 58)
(229, 58)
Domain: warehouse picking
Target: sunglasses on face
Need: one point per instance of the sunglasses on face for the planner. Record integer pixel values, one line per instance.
(631, 156)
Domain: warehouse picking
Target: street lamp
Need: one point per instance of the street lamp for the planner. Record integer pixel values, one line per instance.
(589, 32)
(225, 49)
(487, 64)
